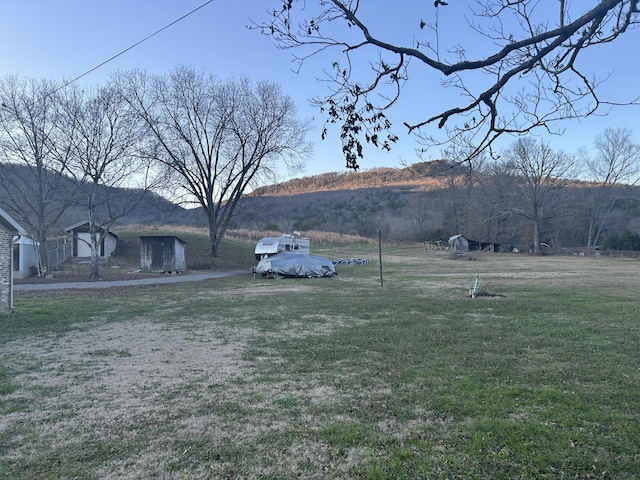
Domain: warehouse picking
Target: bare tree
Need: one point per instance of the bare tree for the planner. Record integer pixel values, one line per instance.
(461, 178)
(219, 138)
(498, 199)
(106, 158)
(614, 164)
(34, 152)
(519, 71)
(539, 176)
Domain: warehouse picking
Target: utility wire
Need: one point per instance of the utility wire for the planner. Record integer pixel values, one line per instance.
(129, 48)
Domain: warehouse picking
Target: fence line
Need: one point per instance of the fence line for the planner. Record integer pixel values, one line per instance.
(58, 251)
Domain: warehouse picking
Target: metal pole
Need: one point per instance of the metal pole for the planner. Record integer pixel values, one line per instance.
(380, 256)
(10, 271)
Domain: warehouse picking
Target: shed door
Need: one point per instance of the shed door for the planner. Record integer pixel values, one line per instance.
(169, 255)
(157, 256)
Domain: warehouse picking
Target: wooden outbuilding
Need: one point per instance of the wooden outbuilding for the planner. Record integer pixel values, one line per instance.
(460, 243)
(8, 229)
(162, 254)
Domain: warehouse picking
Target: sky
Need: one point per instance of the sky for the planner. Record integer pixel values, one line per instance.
(62, 39)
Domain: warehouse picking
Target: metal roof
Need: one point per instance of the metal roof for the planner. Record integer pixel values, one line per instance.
(10, 224)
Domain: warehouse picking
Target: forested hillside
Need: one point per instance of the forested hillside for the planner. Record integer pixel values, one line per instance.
(431, 201)
(17, 200)
(424, 202)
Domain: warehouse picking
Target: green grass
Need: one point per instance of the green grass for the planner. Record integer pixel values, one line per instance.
(333, 378)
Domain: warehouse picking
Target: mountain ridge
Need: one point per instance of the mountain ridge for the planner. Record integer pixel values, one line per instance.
(423, 175)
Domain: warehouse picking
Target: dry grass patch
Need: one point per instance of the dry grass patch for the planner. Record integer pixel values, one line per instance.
(332, 378)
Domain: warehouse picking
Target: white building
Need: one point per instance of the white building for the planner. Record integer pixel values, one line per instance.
(26, 256)
(81, 245)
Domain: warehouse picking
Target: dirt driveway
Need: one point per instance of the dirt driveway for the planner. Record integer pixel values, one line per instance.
(99, 284)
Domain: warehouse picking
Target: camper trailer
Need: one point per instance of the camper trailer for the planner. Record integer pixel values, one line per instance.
(269, 246)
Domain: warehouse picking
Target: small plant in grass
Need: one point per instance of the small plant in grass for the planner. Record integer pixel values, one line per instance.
(481, 290)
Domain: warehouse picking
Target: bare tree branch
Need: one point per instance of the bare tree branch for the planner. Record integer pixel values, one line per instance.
(35, 154)
(104, 158)
(528, 77)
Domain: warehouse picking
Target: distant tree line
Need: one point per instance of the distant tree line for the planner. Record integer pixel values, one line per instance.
(192, 137)
(526, 197)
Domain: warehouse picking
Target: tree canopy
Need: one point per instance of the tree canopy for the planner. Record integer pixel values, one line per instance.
(218, 138)
(33, 137)
(518, 66)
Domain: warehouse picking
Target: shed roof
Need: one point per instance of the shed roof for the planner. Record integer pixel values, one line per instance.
(10, 224)
(24, 240)
(147, 237)
(76, 226)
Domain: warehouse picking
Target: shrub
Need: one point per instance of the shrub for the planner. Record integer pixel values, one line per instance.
(625, 240)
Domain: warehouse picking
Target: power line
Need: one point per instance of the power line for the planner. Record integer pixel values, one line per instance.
(131, 47)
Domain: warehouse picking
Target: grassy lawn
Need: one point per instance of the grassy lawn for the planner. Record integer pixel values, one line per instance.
(242, 377)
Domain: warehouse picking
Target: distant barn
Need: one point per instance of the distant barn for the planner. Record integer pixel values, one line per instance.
(162, 254)
(461, 244)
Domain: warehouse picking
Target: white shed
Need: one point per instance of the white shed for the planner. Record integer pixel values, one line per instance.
(26, 256)
(80, 238)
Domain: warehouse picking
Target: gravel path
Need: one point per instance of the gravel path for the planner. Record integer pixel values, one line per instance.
(196, 277)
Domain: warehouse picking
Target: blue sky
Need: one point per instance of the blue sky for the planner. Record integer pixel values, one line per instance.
(65, 38)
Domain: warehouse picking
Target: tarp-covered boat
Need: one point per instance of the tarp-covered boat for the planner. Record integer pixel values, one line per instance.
(296, 265)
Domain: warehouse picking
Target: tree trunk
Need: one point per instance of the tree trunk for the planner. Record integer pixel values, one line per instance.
(43, 253)
(95, 256)
(213, 240)
(600, 226)
(590, 240)
(95, 269)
